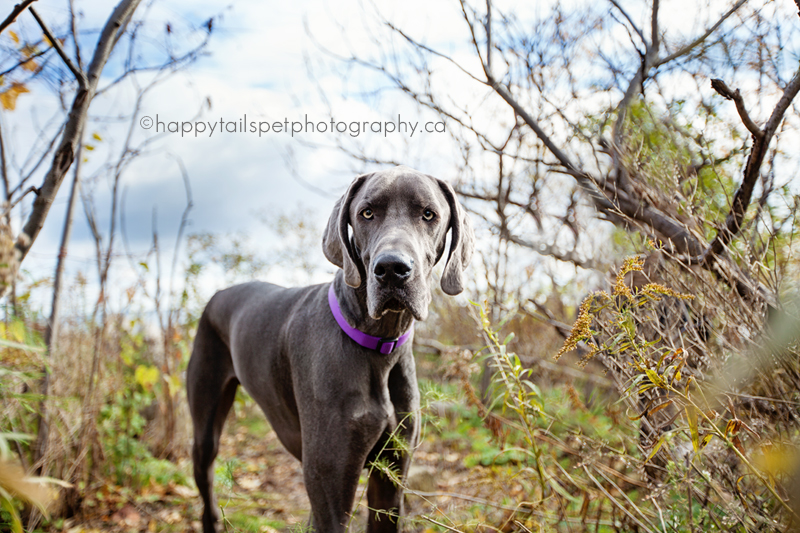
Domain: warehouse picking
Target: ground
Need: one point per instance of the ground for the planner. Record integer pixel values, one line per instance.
(260, 485)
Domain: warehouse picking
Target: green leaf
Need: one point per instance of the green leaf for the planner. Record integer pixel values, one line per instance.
(655, 449)
(655, 378)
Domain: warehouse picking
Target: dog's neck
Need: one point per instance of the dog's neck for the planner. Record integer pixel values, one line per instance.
(353, 303)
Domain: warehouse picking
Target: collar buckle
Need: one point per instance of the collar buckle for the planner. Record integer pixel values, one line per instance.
(387, 345)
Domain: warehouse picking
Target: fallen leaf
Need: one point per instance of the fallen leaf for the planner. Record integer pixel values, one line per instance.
(170, 516)
(184, 492)
(127, 516)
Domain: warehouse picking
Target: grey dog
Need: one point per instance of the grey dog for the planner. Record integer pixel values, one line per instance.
(335, 389)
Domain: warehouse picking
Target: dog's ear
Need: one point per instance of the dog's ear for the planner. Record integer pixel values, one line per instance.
(462, 243)
(330, 237)
(336, 243)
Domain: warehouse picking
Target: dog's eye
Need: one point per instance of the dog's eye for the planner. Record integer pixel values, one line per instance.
(428, 215)
(367, 213)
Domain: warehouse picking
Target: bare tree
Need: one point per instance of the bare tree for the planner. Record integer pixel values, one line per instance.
(577, 117)
(55, 64)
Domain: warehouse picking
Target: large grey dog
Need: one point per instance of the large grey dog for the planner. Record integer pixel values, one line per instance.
(330, 364)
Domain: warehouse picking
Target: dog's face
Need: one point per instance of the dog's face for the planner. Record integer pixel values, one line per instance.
(399, 220)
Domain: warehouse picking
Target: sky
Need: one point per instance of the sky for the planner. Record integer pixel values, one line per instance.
(266, 64)
(255, 69)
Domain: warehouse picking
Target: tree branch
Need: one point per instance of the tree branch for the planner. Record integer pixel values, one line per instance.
(554, 252)
(741, 200)
(19, 8)
(630, 21)
(692, 45)
(78, 73)
(4, 170)
(725, 91)
(65, 153)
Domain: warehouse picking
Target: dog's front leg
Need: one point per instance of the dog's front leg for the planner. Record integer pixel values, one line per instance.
(385, 489)
(384, 493)
(334, 454)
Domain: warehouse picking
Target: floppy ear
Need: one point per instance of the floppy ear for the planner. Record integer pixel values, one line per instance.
(462, 243)
(335, 240)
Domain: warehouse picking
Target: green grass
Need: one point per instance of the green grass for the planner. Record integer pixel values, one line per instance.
(246, 520)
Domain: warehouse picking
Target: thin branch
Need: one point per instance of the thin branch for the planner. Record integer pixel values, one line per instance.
(430, 50)
(19, 8)
(13, 204)
(630, 21)
(699, 40)
(725, 91)
(435, 522)
(4, 169)
(182, 227)
(489, 35)
(615, 501)
(24, 61)
(74, 31)
(78, 73)
(555, 252)
(635, 85)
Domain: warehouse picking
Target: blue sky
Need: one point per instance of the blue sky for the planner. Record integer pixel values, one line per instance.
(257, 65)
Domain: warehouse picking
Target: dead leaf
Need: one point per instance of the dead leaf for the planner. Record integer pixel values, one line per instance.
(14, 36)
(170, 516)
(127, 516)
(184, 492)
(14, 480)
(249, 481)
(8, 98)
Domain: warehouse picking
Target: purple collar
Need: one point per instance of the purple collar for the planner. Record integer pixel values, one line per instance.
(379, 344)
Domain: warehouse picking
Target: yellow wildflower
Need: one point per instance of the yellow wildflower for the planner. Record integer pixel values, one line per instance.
(580, 330)
(654, 290)
(631, 264)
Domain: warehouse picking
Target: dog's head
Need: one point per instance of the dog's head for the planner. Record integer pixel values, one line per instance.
(399, 220)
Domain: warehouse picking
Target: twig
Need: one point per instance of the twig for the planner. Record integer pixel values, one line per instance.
(4, 169)
(19, 8)
(24, 61)
(13, 204)
(725, 91)
(615, 501)
(630, 21)
(689, 47)
(436, 522)
(78, 73)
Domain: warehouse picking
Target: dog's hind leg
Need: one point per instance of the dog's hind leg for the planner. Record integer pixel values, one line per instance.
(211, 388)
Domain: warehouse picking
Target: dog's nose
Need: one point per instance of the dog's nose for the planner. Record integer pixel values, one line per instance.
(393, 268)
